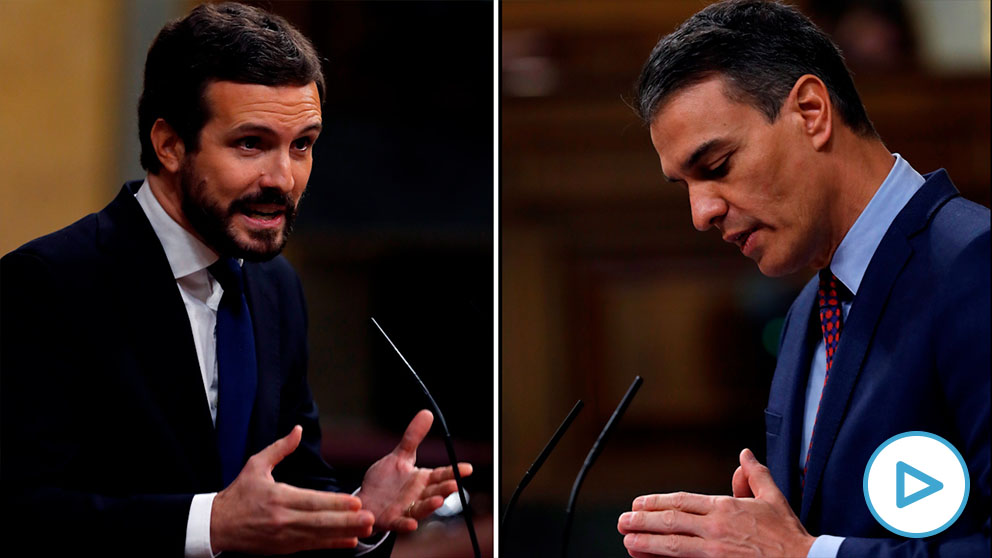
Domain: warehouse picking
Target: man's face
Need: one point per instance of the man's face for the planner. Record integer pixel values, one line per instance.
(752, 180)
(240, 189)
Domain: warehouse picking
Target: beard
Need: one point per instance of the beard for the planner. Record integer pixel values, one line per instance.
(216, 223)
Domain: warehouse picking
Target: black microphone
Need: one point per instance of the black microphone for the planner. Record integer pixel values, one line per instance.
(537, 465)
(597, 448)
(448, 444)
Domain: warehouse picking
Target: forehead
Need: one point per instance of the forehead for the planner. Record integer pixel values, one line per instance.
(289, 106)
(697, 114)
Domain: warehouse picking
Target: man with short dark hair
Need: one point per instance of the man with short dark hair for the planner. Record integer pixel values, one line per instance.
(155, 399)
(752, 110)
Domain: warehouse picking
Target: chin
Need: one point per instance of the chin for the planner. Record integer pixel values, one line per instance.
(257, 247)
(770, 268)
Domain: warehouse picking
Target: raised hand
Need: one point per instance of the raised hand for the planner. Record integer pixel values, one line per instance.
(258, 515)
(757, 521)
(398, 492)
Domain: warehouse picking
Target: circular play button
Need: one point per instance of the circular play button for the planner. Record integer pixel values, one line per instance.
(916, 484)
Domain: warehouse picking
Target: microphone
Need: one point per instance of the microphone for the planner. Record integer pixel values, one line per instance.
(537, 464)
(597, 448)
(448, 444)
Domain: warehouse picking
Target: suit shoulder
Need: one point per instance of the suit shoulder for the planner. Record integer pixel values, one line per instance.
(74, 244)
(959, 233)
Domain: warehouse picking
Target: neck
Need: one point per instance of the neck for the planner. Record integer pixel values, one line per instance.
(862, 165)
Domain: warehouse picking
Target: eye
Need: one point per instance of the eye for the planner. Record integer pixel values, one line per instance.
(302, 144)
(249, 142)
(719, 171)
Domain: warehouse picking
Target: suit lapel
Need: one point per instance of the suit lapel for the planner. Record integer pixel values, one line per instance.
(786, 399)
(155, 318)
(883, 271)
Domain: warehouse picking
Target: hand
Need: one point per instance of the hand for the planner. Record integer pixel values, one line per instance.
(757, 521)
(398, 492)
(258, 515)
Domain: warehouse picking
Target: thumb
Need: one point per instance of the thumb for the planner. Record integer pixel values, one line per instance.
(740, 486)
(415, 433)
(759, 478)
(269, 457)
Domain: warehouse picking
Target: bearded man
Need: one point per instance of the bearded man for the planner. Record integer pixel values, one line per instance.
(155, 398)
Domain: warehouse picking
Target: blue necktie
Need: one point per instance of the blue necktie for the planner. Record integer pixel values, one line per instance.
(236, 368)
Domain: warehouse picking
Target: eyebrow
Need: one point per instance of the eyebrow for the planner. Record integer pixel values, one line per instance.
(700, 152)
(250, 128)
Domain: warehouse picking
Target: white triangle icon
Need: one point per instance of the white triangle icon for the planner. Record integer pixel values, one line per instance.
(914, 485)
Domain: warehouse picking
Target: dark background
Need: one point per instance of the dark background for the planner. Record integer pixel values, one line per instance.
(397, 224)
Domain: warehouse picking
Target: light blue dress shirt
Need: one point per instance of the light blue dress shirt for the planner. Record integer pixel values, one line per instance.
(849, 264)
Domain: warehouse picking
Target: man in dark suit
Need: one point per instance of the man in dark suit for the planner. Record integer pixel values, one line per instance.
(154, 396)
(752, 110)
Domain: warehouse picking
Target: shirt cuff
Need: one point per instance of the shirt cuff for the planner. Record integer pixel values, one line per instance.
(365, 548)
(198, 527)
(825, 546)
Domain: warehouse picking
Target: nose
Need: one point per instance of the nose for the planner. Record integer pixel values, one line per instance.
(707, 207)
(278, 172)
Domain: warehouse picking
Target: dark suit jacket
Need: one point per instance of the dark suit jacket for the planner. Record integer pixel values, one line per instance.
(106, 433)
(913, 355)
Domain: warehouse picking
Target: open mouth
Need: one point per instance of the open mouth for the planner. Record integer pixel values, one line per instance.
(741, 238)
(263, 215)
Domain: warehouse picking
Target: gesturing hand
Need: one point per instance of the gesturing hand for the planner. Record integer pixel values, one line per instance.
(757, 521)
(258, 515)
(398, 492)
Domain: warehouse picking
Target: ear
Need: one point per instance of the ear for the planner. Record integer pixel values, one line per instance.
(169, 148)
(810, 102)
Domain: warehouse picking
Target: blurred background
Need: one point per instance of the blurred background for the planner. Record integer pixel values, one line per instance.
(603, 276)
(397, 221)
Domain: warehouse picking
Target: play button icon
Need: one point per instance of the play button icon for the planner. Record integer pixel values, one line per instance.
(930, 484)
(908, 469)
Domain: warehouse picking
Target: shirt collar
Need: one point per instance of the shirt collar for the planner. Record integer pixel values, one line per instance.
(186, 253)
(852, 257)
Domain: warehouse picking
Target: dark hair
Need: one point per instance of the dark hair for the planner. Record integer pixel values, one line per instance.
(217, 42)
(760, 48)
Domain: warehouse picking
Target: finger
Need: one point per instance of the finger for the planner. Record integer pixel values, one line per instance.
(759, 478)
(415, 433)
(441, 489)
(328, 527)
(662, 522)
(425, 507)
(404, 525)
(681, 501)
(665, 545)
(304, 499)
(278, 450)
(338, 542)
(441, 474)
(740, 486)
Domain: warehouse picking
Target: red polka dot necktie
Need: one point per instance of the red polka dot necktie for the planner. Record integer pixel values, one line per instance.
(830, 294)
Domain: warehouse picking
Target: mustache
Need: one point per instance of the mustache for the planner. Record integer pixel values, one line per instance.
(269, 196)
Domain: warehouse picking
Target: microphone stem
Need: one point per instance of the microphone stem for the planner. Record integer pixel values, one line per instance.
(448, 445)
(537, 465)
(597, 448)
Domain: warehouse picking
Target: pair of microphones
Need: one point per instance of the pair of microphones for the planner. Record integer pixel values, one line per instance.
(597, 448)
(593, 454)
